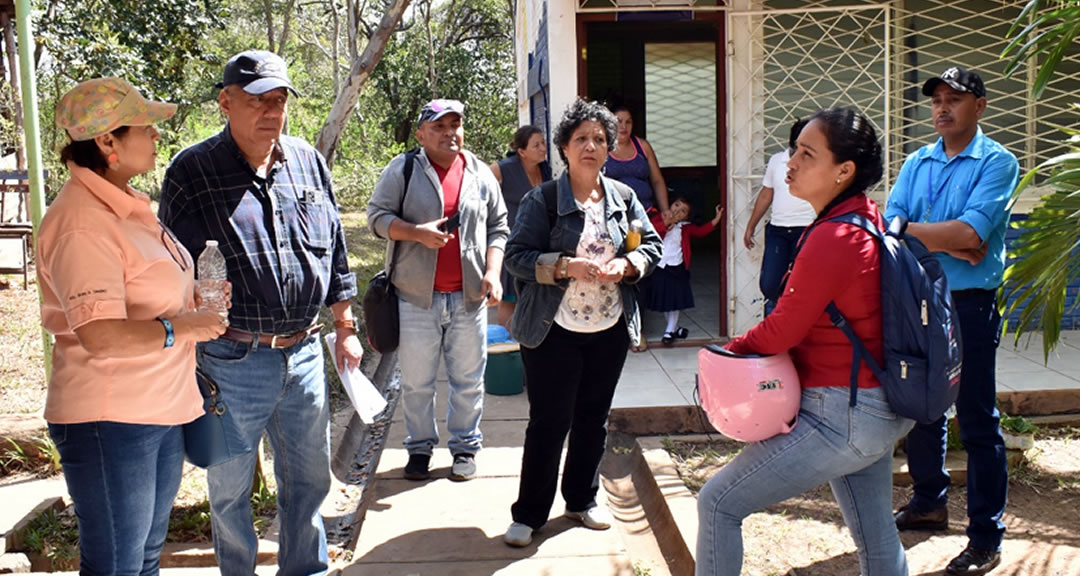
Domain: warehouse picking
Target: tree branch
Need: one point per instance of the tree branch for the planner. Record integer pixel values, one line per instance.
(268, 13)
(346, 100)
(285, 26)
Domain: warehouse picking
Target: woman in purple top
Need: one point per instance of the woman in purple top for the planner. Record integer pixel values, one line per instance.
(633, 162)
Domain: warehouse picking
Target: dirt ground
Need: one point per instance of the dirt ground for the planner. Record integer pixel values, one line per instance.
(22, 371)
(806, 536)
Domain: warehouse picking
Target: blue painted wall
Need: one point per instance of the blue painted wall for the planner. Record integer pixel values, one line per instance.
(1071, 320)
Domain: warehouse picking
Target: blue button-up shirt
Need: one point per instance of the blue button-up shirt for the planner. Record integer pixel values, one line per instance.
(973, 187)
(281, 235)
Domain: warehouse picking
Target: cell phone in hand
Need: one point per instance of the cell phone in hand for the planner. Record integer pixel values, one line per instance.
(452, 223)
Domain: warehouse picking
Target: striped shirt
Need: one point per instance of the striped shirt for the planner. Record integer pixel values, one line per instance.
(281, 235)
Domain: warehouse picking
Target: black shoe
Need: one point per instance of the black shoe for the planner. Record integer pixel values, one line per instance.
(681, 333)
(908, 519)
(973, 562)
(668, 338)
(464, 467)
(417, 468)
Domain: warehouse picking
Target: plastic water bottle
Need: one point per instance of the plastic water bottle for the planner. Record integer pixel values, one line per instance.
(212, 276)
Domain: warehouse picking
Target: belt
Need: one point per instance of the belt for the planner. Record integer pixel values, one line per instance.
(271, 340)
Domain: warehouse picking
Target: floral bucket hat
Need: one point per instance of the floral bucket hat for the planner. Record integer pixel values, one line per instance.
(101, 105)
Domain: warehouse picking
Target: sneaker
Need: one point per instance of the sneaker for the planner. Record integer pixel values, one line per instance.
(907, 518)
(518, 535)
(973, 562)
(595, 518)
(417, 468)
(464, 467)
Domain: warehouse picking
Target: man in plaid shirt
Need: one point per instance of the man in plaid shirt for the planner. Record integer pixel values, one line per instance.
(266, 199)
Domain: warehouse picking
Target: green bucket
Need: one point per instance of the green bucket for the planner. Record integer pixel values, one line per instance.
(505, 375)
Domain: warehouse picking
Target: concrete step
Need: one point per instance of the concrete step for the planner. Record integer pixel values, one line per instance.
(23, 501)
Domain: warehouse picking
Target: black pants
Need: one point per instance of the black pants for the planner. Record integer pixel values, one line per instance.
(780, 242)
(980, 430)
(572, 378)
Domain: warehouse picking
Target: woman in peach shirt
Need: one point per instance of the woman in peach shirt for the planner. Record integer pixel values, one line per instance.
(118, 294)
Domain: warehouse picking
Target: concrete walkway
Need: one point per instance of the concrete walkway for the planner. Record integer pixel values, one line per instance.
(446, 528)
(451, 528)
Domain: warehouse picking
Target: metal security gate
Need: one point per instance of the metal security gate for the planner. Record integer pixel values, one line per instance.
(782, 65)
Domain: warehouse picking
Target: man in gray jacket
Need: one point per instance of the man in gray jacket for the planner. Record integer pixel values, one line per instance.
(449, 220)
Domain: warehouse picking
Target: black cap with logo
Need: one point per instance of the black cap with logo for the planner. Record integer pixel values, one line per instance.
(257, 72)
(959, 79)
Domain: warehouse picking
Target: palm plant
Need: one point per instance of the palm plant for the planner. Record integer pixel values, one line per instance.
(1046, 257)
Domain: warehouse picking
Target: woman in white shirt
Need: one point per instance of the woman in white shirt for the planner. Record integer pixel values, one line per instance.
(790, 216)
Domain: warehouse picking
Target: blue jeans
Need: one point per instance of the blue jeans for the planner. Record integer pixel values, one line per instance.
(281, 392)
(123, 479)
(851, 448)
(980, 430)
(445, 331)
(780, 242)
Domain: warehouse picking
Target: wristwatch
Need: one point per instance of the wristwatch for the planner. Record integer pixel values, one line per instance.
(562, 265)
(350, 324)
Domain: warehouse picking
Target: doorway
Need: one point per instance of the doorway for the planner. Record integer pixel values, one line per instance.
(671, 78)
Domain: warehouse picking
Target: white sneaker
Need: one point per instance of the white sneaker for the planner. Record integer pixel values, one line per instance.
(518, 535)
(596, 518)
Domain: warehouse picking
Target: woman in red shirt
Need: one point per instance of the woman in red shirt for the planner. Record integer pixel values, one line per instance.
(837, 159)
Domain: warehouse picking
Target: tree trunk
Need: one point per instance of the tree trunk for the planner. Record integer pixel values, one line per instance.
(268, 12)
(361, 69)
(285, 25)
(16, 96)
(335, 50)
(433, 77)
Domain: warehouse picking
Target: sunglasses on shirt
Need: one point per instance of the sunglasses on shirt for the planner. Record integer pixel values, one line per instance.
(172, 245)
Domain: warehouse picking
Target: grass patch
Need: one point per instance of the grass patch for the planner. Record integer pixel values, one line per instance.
(698, 461)
(42, 459)
(54, 536)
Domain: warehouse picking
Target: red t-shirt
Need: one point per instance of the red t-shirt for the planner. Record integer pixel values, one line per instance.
(448, 266)
(838, 262)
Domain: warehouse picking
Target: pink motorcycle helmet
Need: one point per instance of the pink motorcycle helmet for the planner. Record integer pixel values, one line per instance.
(748, 397)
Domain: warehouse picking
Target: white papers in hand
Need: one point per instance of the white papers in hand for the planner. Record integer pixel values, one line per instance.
(362, 393)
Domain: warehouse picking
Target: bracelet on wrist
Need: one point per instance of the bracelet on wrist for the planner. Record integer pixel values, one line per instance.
(170, 336)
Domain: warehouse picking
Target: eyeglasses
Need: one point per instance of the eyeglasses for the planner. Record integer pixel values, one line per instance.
(179, 255)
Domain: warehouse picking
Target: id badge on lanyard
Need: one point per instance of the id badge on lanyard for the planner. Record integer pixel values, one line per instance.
(930, 196)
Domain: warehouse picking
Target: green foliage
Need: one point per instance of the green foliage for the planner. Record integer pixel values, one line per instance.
(14, 458)
(1047, 254)
(1017, 424)
(191, 523)
(43, 459)
(54, 535)
(465, 53)
(174, 50)
(156, 45)
(47, 451)
(1047, 36)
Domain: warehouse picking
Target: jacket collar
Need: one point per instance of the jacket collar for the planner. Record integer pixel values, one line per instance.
(470, 161)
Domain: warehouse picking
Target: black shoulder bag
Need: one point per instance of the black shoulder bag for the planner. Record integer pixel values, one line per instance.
(380, 300)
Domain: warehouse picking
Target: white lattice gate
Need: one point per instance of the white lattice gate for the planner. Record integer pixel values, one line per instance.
(786, 64)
